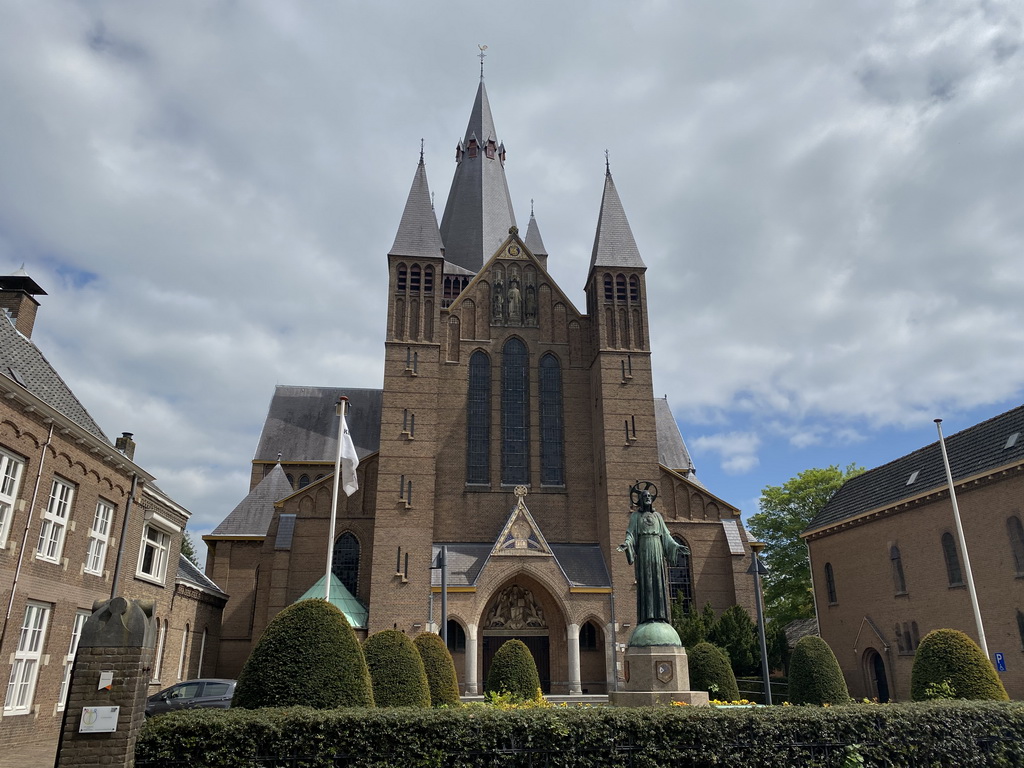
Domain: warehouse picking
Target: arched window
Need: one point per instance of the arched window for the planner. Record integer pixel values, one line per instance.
(552, 469)
(1016, 534)
(345, 565)
(414, 279)
(899, 638)
(589, 637)
(428, 279)
(478, 420)
(402, 276)
(634, 289)
(620, 288)
(952, 560)
(291, 480)
(456, 636)
(899, 581)
(830, 583)
(515, 413)
(680, 579)
(303, 481)
(608, 295)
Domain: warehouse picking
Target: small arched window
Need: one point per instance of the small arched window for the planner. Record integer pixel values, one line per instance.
(456, 637)
(589, 637)
(414, 279)
(345, 565)
(830, 584)
(620, 288)
(608, 294)
(899, 581)
(952, 560)
(303, 481)
(1016, 534)
(291, 480)
(478, 420)
(680, 579)
(428, 279)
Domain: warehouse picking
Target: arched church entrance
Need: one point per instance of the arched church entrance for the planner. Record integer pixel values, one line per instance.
(874, 665)
(522, 610)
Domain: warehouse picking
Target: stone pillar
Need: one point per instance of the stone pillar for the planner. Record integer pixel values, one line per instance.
(472, 687)
(573, 637)
(610, 656)
(109, 681)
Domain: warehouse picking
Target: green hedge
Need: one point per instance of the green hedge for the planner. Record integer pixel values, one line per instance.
(928, 734)
(396, 669)
(949, 656)
(440, 669)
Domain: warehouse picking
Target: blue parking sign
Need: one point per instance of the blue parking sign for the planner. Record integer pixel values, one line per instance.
(1000, 662)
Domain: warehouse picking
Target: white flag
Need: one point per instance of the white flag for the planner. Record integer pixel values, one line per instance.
(349, 460)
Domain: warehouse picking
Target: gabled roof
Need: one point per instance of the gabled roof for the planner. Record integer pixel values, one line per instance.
(302, 423)
(974, 451)
(533, 238)
(478, 214)
(189, 573)
(614, 245)
(672, 451)
(22, 362)
(418, 235)
(582, 564)
(253, 514)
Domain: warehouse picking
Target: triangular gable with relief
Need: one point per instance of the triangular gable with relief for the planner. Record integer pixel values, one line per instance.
(521, 535)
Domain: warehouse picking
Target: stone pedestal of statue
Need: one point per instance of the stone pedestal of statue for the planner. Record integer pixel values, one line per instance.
(656, 670)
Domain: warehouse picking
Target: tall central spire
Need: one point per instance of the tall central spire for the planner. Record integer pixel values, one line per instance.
(479, 211)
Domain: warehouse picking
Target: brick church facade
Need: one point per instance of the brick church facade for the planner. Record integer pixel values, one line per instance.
(509, 429)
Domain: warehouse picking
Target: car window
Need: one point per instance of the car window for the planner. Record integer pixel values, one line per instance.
(185, 691)
(217, 689)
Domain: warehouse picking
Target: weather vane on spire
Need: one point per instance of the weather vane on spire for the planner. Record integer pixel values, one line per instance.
(531, 207)
(482, 56)
(607, 164)
(421, 150)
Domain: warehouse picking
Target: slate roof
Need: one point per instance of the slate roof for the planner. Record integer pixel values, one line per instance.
(302, 423)
(465, 561)
(582, 564)
(189, 573)
(533, 240)
(973, 451)
(672, 451)
(253, 514)
(614, 245)
(21, 361)
(418, 235)
(479, 212)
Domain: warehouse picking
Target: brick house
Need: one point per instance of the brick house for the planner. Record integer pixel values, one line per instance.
(887, 567)
(80, 521)
(509, 429)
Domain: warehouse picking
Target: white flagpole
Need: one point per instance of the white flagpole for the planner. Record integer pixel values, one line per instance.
(963, 545)
(340, 410)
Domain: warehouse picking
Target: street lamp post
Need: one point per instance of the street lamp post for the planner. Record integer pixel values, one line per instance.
(757, 569)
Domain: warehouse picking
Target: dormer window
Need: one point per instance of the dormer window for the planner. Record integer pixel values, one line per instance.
(473, 148)
(489, 151)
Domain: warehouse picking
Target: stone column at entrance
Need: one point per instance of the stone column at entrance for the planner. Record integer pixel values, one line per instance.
(573, 636)
(472, 661)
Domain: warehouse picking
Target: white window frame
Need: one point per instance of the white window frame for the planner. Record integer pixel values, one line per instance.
(55, 521)
(81, 616)
(161, 554)
(99, 537)
(11, 470)
(21, 688)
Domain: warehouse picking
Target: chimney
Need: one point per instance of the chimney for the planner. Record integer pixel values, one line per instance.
(16, 292)
(126, 445)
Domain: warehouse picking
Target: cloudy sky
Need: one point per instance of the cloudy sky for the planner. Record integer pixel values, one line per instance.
(829, 198)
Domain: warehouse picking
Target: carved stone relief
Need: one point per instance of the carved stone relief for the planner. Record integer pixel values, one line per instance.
(516, 608)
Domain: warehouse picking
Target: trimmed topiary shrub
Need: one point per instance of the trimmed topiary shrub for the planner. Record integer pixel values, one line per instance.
(710, 671)
(307, 655)
(950, 662)
(396, 670)
(440, 669)
(514, 672)
(814, 674)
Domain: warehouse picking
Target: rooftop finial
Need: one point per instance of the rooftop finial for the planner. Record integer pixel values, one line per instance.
(421, 151)
(431, 200)
(607, 165)
(531, 207)
(482, 56)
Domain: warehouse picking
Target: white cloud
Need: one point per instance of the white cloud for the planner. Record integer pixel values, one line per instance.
(737, 451)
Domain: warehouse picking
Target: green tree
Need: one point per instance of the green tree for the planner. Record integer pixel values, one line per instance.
(308, 655)
(437, 661)
(693, 628)
(710, 671)
(513, 671)
(786, 511)
(396, 669)
(778, 647)
(736, 634)
(814, 674)
(949, 659)
(188, 548)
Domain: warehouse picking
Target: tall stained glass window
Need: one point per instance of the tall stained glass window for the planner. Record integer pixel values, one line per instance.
(478, 420)
(515, 414)
(345, 565)
(552, 464)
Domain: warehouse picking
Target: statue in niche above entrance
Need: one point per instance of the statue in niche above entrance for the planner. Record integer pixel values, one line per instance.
(650, 549)
(516, 608)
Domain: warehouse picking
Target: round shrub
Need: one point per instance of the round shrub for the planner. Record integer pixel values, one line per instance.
(307, 655)
(814, 674)
(711, 671)
(514, 672)
(396, 670)
(440, 669)
(948, 656)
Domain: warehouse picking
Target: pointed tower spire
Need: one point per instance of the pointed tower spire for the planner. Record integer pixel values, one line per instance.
(478, 214)
(418, 235)
(614, 245)
(533, 238)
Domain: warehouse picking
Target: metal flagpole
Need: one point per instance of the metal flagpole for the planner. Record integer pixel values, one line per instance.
(963, 545)
(340, 410)
(444, 593)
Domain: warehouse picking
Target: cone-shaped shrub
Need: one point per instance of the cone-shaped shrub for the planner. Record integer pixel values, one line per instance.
(814, 674)
(711, 671)
(396, 670)
(513, 671)
(949, 656)
(440, 669)
(307, 655)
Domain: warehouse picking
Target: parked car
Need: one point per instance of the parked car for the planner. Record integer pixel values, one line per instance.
(213, 693)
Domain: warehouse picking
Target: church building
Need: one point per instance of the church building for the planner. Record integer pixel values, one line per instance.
(509, 430)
